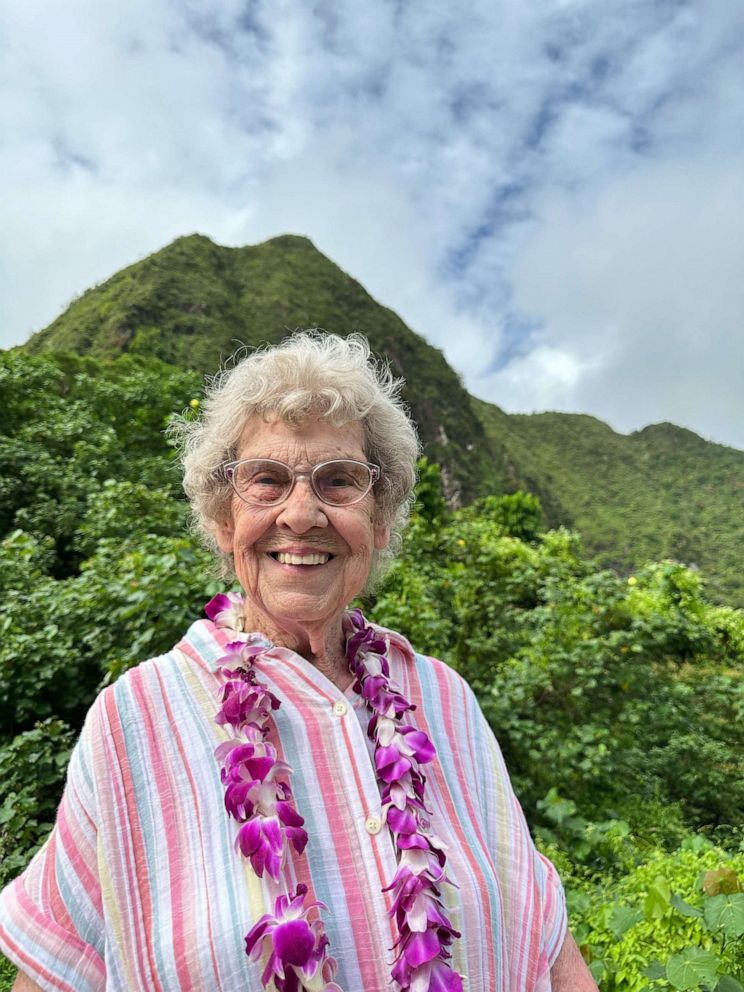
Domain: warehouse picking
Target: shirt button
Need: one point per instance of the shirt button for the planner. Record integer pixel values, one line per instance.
(340, 708)
(373, 825)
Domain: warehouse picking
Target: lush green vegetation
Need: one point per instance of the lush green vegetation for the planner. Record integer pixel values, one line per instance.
(194, 303)
(662, 492)
(618, 701)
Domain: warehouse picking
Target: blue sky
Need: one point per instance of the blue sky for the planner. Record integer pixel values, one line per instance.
(551, 192)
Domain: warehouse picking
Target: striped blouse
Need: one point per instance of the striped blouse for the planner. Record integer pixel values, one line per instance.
(139, 886)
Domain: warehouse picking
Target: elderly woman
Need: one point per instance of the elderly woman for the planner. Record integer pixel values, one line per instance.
(292, 798)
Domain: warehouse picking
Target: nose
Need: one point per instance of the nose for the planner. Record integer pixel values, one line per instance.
(302, 510)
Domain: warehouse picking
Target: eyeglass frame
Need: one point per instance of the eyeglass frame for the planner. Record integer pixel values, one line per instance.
(228, 470)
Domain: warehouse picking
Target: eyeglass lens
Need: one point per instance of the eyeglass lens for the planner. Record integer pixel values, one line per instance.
(339, 482)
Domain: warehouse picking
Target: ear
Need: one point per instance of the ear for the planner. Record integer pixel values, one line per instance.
(382, 538)
(225, 536)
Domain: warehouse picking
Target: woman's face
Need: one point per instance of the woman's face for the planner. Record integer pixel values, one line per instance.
(344, 536)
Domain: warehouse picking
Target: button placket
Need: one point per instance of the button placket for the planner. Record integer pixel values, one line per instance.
(373, 821)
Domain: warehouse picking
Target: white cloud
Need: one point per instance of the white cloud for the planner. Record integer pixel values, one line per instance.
(525, 183)
(641, 288)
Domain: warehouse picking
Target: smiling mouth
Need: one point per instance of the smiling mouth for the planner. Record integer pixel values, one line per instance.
(311, 558)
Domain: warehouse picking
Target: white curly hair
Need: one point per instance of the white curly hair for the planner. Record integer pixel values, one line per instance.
(309, 374)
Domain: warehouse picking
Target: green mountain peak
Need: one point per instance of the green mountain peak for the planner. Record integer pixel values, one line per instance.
(194, 303)
(658, 492)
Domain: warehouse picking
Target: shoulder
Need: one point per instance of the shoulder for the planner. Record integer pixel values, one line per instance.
(400, 644)
(196, 653)
(144, 691)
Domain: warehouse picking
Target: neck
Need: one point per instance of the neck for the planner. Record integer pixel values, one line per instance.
(322, 643)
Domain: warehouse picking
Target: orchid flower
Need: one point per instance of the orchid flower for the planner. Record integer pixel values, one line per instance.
(295, 949)
(226, 609)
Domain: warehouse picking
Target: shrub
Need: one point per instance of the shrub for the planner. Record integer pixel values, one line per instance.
(32, 774)
(674, 922)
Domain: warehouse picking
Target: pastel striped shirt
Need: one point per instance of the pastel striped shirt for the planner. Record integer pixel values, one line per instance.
(139, 886)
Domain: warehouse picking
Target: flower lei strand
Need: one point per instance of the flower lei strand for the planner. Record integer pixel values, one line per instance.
(259, 797)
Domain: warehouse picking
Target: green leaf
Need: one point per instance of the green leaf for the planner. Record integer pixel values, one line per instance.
(654, 971)
(684, 907)
(598, 969)
(622, 918)
(728, 984)
(578, 901)
(726, 913)
(697, 843)
(555, 807)
(657, 899)
(691, 968)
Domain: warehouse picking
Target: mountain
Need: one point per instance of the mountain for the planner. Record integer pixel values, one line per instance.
(193, 303)
(660, 492)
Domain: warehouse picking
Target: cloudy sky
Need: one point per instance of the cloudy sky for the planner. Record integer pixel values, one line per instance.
(552, 191)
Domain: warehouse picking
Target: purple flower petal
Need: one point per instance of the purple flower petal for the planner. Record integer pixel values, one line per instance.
(422, 747)
(298, 838)
(422, 947)
(401, 821)
(288, 815)
(294, 942)
(259, 766)
(407, 841)
(256, 935)
(226, 610)
(216, 605)
(444, 979)
(390, 763)
(260, 840)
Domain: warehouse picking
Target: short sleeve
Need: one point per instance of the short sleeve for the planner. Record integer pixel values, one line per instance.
(532, 880)
(554, 915)
(51, 920)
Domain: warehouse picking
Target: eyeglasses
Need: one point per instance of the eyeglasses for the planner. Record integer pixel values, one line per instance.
(267, 482)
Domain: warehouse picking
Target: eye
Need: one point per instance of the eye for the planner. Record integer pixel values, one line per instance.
(267, 479)
(338, 480)
(262, 482)
(342, 482)
(341, 477)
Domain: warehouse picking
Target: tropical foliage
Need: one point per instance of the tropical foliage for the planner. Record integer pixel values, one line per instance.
(193, 303)
(662, 492)
(618, 701)
(657, 493)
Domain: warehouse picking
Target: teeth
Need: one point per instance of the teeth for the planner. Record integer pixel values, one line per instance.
(316, 558)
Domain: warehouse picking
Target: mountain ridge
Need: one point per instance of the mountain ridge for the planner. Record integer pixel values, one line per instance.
(661, 491)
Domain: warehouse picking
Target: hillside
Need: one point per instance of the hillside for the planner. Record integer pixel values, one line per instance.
(661, 492)
(193, 303)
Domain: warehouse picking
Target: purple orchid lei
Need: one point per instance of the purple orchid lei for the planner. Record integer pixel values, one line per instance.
(259, 797)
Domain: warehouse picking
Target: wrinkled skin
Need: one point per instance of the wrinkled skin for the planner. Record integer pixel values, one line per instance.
(301, 606)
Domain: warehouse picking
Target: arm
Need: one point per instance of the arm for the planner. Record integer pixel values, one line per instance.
(51, 923)
(24, 984)
(568, 974)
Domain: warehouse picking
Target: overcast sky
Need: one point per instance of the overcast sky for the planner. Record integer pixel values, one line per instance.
(552, 191)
